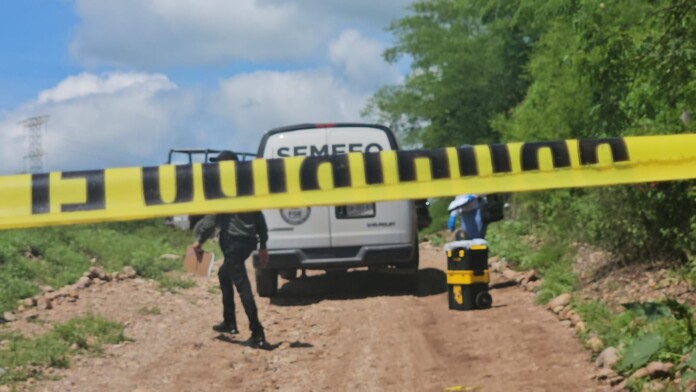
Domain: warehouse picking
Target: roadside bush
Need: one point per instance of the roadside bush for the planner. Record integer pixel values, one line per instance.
(644, 222)
(438, 214)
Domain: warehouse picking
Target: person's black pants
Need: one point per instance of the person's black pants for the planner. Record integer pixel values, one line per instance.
(233, 272)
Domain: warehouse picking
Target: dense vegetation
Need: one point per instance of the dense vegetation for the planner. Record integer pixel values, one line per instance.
(492, 70)
(487, 71)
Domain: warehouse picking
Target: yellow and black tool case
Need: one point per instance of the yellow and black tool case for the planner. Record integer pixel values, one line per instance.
(467, 275)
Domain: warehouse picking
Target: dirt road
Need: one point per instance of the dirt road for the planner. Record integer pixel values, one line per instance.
(351, 332)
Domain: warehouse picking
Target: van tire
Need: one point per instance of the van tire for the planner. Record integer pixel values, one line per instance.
(415, 259)
(288, 274)
(411, 279)
(266, 282)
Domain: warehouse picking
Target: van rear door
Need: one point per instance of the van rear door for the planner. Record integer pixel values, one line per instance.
(372, 223)
(297, 228)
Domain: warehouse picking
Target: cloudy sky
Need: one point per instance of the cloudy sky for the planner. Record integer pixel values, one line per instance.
(123, 81)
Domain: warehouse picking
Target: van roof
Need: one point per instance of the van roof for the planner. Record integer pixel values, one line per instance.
(301, 127)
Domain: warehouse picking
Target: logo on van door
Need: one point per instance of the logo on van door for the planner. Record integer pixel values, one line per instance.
(326, 149)
(295, 216)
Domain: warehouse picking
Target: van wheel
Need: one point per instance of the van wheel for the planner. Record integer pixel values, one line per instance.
(288, 274)
(412, 264)
(266, 282)
(336, 271)
(411, 279)
(415, 260)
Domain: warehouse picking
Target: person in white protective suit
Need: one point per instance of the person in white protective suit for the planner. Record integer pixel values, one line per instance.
(468, 209)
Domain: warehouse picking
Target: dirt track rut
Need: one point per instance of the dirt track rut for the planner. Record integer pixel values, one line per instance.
(351, 332)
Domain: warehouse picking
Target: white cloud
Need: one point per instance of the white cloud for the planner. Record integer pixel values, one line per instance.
(263, 100)
(94, 124)
(191, 32)
(258, 101)
(134, 118)
(360, 60)
(86, 84)
(152, 33)
(96, 121)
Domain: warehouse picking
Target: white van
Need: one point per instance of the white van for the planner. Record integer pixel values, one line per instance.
(336, 238)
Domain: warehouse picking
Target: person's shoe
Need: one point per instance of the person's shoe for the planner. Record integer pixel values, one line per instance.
(224, 327)
(258, 339)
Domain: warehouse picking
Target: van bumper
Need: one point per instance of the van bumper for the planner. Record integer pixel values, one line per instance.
(348, 257)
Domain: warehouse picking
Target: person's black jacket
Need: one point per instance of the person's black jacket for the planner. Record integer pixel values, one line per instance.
(243, 227)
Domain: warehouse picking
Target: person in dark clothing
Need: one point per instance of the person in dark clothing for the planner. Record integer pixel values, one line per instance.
(238, 238)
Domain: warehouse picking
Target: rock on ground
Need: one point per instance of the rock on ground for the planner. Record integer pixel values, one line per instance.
(653, 370)
(608, 358)
(560, 301)
(9, 316)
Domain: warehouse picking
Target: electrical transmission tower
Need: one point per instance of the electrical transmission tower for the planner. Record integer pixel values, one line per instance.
(34, 128)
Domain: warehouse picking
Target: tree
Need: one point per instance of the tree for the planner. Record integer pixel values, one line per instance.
(523, 70)
(466, 67)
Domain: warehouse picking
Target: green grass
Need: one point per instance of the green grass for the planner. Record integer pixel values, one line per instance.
(24, 358)
(552, 258)
(173, 282)
(58, 256)
(667, 321)
(612, 328)
(508, 238)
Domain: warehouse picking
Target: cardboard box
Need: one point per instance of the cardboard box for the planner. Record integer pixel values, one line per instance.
(199, 263)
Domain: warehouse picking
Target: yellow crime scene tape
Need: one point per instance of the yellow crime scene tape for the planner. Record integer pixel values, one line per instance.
(30, 200)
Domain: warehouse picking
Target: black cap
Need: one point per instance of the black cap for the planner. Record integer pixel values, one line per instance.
(225, 156)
